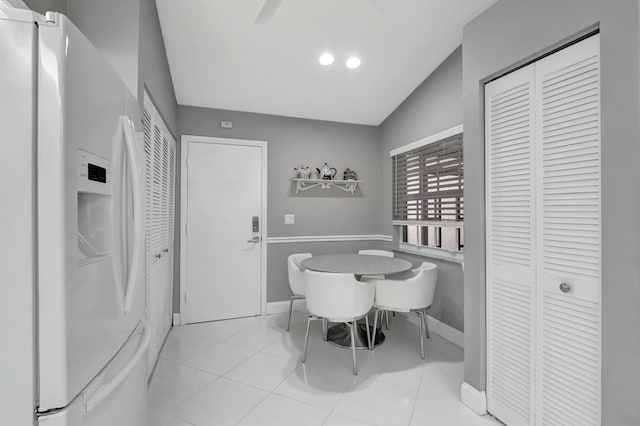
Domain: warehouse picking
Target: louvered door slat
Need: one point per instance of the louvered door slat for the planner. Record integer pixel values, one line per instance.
(510, 247)
(569, 234)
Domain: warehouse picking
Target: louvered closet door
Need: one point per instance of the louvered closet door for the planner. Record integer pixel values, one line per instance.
(510, 247)
(147, 121)
(163, 273)
(160, 157)
(157, 238)
(167, 258)
(568, 133)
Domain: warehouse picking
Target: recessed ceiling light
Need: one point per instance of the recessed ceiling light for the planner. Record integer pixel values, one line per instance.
(353, 63)
(326, 59)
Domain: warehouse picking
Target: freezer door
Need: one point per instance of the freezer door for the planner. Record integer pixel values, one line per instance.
(17, 259)
(117, 397)
(90, 280)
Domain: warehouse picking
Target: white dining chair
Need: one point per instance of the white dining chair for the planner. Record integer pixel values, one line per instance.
(296, 279)
(384, 253)
(338, 298)
(377, 253)
(410, 291)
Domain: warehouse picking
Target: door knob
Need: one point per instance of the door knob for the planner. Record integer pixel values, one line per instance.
(255, 239)
(565, 287)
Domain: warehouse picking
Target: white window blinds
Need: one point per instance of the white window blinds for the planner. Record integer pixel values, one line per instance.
(428, 182)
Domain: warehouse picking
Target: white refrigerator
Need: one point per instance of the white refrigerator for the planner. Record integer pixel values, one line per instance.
(72, 297)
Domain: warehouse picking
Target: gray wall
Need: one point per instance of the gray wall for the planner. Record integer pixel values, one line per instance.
(291, 142)
(42, 6)
(154, 73)
(112, 27)
(436, 105)
(508, 34)
(128, 34)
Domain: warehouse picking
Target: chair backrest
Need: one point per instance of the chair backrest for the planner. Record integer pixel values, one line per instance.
(415, 292)
(377, 253)
(337, 297)
(296, 277)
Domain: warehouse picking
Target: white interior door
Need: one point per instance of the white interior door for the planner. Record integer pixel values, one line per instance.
(225, 210)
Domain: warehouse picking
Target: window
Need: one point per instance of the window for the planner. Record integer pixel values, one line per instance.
(428, 195)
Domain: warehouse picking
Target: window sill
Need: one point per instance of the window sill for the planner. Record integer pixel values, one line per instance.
(440, 254)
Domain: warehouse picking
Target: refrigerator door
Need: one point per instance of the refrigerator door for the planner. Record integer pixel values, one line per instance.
(90, 280)
(18, 35)
(118, 396)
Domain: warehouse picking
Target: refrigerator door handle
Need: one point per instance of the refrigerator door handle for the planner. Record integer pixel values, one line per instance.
(138, 211)
(105, 390)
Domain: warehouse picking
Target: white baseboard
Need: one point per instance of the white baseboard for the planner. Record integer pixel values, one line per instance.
(443, 330)
(283, 306)
(474, 399)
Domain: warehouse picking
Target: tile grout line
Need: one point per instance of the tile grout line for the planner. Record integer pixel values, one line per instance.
(415, 397)
(273, 391)
(265, 397)
(217, 376)
(190, 395)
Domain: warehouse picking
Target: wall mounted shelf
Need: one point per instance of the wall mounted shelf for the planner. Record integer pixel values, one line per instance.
(344, 185)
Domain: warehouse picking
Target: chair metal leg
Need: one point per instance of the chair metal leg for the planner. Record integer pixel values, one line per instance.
(426, 324)
(306, 341)
(290, 309)
(375, 328)
(366, 321)
(325, 329)
(420, 320)
(353, 346)
(386, 317)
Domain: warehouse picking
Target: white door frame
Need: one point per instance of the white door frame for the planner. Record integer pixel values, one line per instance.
(184, 141)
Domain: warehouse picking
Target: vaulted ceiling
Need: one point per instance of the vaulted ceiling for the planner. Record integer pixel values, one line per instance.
(262, 56)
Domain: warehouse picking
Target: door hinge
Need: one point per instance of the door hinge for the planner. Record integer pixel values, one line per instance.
(186, 228)
(185, 297)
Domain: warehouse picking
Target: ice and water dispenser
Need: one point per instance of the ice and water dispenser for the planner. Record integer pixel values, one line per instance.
(95, 224)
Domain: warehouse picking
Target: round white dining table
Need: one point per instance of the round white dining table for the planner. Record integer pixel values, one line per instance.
(358, 265)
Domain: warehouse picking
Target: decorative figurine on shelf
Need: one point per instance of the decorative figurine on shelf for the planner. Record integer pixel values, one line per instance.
(326, 172)
(350, 175)
(304, 172)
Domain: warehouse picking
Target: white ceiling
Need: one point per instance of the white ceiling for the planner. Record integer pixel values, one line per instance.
(219, 58)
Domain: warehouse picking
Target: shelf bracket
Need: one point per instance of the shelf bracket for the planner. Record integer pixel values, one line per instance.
(344, 185)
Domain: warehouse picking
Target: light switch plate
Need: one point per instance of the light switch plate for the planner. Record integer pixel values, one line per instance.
(289, 219)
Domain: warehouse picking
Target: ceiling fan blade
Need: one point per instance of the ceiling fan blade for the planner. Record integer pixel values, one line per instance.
(267, 11)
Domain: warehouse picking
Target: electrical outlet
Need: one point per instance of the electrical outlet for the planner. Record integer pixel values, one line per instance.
(226, 124)
(289, 219)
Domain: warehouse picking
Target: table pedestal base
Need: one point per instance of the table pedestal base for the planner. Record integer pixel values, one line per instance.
(340, 335)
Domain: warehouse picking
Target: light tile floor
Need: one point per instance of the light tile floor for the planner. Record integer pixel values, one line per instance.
(247, 372)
